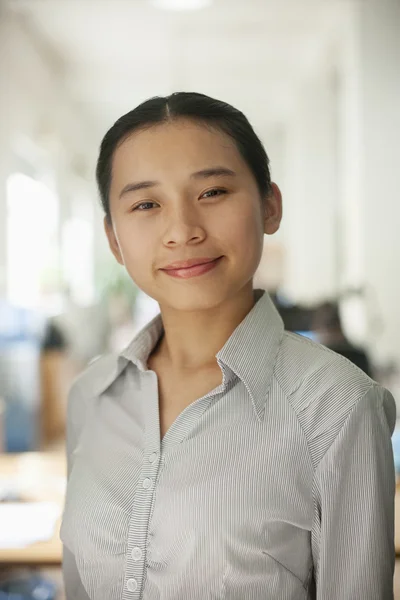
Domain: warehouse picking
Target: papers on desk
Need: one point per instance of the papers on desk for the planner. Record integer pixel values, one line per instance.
(25, 523)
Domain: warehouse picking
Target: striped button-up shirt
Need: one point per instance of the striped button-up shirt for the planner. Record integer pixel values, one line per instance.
(276, 485)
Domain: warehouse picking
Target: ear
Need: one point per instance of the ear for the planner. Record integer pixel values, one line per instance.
(112, 241)
(273, 210)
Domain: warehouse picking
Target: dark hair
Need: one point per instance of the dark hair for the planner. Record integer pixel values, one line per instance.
(189, 105)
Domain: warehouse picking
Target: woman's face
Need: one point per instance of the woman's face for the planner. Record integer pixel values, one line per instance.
(182, 191)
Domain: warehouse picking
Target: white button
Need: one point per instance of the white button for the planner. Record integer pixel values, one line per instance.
(153, 457)
(131, 584)
(137, 553)
(146, 483)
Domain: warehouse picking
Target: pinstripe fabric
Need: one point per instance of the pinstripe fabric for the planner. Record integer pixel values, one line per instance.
(279, 484)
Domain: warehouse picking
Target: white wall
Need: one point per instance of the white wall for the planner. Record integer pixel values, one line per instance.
(310, 192)
(341, 185)
(39, 119)
(370, 151)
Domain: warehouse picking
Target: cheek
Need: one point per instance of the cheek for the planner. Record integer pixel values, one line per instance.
(245, 230)
(136, 248)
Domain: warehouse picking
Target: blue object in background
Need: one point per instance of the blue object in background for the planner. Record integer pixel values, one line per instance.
(396, 449)
(20, 335)
(18, 324)
(31, 587)
(311, 335)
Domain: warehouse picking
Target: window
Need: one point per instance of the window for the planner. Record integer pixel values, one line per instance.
(32, 243)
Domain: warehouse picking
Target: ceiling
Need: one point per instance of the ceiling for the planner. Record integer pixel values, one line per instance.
(253, 53)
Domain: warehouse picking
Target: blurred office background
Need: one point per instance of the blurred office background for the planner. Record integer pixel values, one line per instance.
(320, 82)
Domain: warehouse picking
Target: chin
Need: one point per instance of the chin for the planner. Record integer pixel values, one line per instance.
(196, 299)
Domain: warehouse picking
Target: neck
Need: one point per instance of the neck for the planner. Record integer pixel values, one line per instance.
(192, 339)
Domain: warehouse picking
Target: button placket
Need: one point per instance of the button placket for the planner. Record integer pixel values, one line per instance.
(136, 553)
(153, 457)
(132, 585)
(135, 571)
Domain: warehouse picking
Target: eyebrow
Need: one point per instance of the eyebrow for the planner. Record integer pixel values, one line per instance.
(140, 185)
(203, 174)
(213, 172)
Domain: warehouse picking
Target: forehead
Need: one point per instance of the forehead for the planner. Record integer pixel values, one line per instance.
(179, 144)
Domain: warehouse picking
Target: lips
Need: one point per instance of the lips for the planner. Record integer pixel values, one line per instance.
(186, 264)
(191, 268)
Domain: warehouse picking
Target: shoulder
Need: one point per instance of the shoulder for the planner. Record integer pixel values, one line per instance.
(302, 363)
(100, 373)
(322, 388)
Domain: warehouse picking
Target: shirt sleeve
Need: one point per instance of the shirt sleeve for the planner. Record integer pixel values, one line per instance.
(73, 587)
(354, 490)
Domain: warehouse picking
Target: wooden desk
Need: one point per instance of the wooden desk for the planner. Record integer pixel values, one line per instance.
(397, 518)
(42, 477)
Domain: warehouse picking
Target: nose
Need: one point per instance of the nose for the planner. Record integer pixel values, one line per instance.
(183, 227)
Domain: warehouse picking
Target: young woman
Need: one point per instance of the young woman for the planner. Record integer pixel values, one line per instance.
(217, 457)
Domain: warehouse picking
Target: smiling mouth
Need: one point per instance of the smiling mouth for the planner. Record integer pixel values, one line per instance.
(198, 268)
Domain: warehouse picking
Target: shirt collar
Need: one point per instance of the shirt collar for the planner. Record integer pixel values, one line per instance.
(260, 334)
(251, 350)
(140, 348)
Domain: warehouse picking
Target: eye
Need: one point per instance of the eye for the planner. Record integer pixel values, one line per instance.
(213, 192)
(140, 206)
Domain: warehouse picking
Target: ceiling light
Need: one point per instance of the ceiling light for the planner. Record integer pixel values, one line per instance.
(181, 5)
